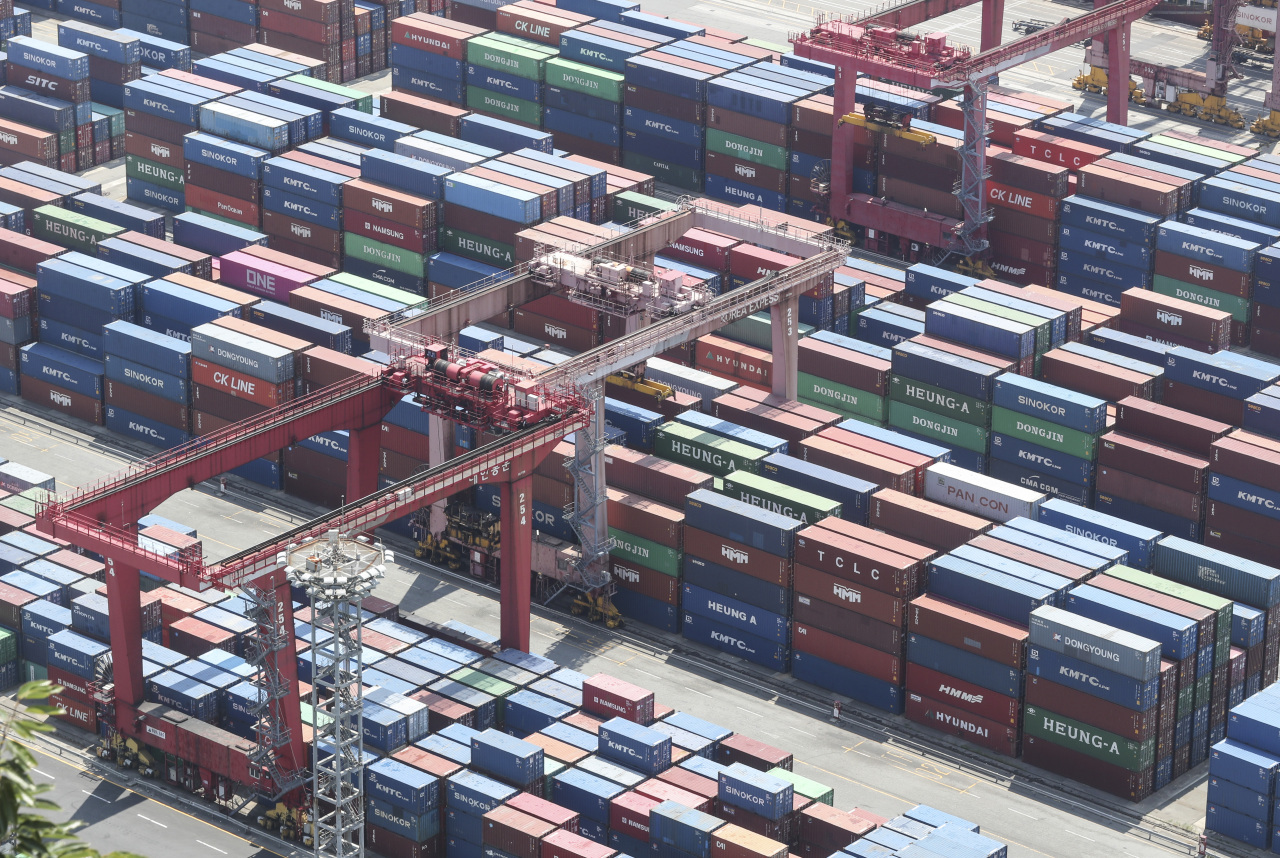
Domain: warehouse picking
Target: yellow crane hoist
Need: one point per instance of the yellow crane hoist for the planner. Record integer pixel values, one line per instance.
(598, 608)
(1211, 108)
(291, 823)
(1268, 126)
(637, 382)
(1095, 81)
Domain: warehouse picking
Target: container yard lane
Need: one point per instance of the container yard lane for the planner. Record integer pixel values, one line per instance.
(866, 767)
(114, 817)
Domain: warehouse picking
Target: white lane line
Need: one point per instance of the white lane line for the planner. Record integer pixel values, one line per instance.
(645, 672)
(214, 848)
(1020, 813)
(1081, 836)
(806, 732)
(749, 712)
(152, 821)
(868, 756)
(46, 774)
(98, 797)
(696, 691)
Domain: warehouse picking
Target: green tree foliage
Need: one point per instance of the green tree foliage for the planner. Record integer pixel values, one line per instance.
(25, 827)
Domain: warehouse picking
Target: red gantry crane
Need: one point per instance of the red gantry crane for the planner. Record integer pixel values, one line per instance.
(532, 414)
(854, 46)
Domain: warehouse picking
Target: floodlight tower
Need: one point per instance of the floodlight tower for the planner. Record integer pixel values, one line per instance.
(338, 572)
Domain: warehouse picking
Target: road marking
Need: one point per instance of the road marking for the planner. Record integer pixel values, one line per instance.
(1081, 836)
(749, 712)
(98, 797)
(214, 848)
(645, 672)
(152, 821)
(46, 774)
(806, 732)
(864, 754)
(695, 691)
(1020, 813)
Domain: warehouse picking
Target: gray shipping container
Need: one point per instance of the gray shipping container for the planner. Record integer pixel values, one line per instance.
(980, 495)
(234, 350)
(1096, 643)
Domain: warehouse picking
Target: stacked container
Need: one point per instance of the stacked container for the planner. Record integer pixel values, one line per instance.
(390, 225)
(1214, 385)
(60, 78)
(222, 178)
(1115, 245)
(666, 99)
(1241, 489)
(1024, 196)
(114, 60)
(1045, 437)
(428, 56)
(18, 308)
(148, 384)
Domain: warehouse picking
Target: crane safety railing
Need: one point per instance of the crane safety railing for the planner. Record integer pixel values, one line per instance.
(221, 439)
(487, 462)
(392, 323)
(597, 363)
(358, 516)
(961, 71)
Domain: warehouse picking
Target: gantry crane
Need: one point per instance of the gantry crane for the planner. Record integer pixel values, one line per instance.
(99, 518)
(1189, 93)
(929, 63)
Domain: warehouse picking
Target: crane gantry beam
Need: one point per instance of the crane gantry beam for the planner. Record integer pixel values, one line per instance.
(916, 12)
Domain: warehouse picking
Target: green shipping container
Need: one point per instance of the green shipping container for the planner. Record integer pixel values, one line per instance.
(772, 495)
(588, 80)
(26, 506)
(1186, 701)
(748, 150)
(673, 174)
(491, 53)
(1078, 736)
(476, 247)
(1204, 685)
(29, 671)
(373, 287)
(651, 555)
(115, 114)
(384, 254)
(363, 100)
(938, 427)
(66, 142)
(1043, 326)
(757, 330)
(820, 793)
(1188, 146)
(71, 229)
(1220, 606)
(8, 645)
(708, 453)
(629, 206)
(849, 401)
(1044, 433)
(504, 106)
(939, 401)
(215, 216)
(1238, 307)
(491, 685)
(154, 172)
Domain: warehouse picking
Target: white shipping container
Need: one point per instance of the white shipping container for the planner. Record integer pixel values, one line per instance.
(980, 495)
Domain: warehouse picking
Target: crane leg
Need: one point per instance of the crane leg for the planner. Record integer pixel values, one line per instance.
(516, 501)
(992, 23)
(362, 461)
(1118, 49)
(125, 614)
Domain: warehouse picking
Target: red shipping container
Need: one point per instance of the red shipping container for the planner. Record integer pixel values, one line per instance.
(75, 687)
(856, 598)
(174, 605)
(66, 402)
(734, 841)
(193, 638)
(886, 667)
(835, 619)
(1112, 779)
(213, 201)
(752, 263)
(1095, 377)
(740, 557)
(1112, 186)
(552, 331)
(690, 782)
(629, 812)
(565, 844)
(703, 248)
(826, 360)
(1153, 462)
(1206, 403)
(1247, 456)
(659, 791)
(239, 385)
(967, 629)
(1052, 149)
(856, 560)
(1000, 738)
(539, 808)
(830, 830)
(924, 521)
(966, 696)
(638, 579)
(732, 359)
(1122, 484)
(1038, 254)
(1161, 312)
(606, 695)
(857, 463)
(515, 833)
(394, 845)
(752, 753)
(1024, 202)
(1168, 425)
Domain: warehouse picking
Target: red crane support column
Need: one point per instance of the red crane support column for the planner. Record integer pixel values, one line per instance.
(294, 755)
(992, 23)
(516, 500)
(1118, 48)
(842, 139)
(125, 607)
(362, 461)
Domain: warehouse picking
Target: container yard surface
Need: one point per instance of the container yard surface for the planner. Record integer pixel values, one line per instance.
(884, 777)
